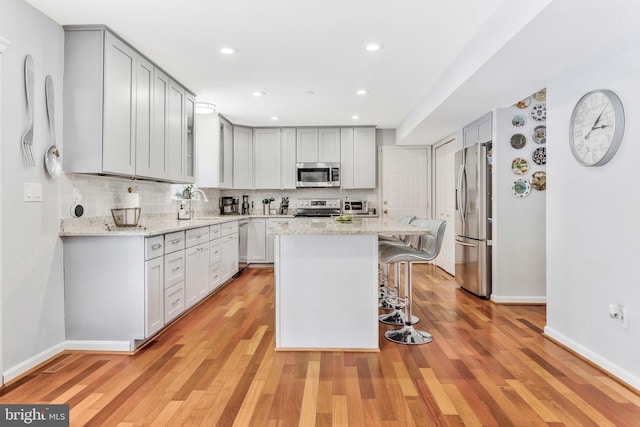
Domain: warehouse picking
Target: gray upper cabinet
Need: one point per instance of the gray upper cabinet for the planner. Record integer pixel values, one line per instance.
(118, 111)
(478, 131)
(242, 158)
(189, 137)
(318, 145)
(267, 154)
(358, 158)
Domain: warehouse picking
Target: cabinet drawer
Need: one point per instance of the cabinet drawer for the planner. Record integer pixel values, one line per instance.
(215, 279)
(229, 228)
(214, 231)
(173, 302)
(153, 247)
(196, 236)
(173, 242)
(214, 251)
(173, 268)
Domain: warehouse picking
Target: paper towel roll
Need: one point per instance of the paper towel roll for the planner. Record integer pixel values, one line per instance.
(131, 200)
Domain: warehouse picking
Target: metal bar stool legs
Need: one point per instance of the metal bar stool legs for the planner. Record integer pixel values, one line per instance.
(397, 303)
(385, 290)
(408, 335)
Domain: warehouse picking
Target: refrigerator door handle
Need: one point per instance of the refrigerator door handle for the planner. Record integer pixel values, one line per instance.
(463, 195)
(465, 244)
(459, 207)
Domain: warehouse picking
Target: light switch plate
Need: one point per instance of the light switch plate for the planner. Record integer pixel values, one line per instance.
(32, 192)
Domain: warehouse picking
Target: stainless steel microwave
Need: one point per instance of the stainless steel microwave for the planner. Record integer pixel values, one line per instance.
(319, 175)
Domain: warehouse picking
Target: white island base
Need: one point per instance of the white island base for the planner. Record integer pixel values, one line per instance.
(326, 292)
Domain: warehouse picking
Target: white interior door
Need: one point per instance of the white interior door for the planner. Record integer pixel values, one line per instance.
(404, 182)
(444, 195)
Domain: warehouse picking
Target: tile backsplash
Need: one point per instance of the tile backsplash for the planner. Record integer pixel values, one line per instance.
(99, 194)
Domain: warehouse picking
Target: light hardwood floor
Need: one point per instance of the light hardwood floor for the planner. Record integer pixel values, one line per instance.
(488, 365)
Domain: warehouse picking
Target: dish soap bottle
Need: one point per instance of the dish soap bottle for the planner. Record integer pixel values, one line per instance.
(182, 212)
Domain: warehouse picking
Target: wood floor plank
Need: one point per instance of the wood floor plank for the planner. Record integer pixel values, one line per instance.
(488, 365)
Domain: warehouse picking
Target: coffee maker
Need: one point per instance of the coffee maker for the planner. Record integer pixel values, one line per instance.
(229, 205)
(245, 204)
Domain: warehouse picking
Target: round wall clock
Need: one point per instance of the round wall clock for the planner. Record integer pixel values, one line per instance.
(596, 127)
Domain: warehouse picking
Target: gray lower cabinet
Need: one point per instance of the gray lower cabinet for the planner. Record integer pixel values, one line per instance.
(197, 265)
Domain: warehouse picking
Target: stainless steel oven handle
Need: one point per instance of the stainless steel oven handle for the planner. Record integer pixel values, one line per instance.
(471, 245)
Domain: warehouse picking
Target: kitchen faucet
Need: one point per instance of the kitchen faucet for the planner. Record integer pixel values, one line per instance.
(195, 193)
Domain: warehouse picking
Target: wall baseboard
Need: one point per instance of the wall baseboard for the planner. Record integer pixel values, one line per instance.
(26, 366)
(31, 363)
(502, 299)
(622, 375)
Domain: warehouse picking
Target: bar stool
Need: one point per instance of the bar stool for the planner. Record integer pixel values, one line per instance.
(427, 248)
(383, 241)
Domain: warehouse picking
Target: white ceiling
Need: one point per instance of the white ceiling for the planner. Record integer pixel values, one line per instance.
(289, 47)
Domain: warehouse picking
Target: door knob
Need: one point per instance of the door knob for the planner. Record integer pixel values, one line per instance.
(385, 211)
(385, 202)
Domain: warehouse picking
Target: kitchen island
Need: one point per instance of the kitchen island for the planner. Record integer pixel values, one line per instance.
(326, 282)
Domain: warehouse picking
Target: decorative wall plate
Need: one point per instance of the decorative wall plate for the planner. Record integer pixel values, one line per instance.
(541, 95)
(518, 141)
(521, 187)
(518, 120)
(524, 103)
(539, 112)
(539, 156)
(539, 180)
(519, 166)
(540, 134)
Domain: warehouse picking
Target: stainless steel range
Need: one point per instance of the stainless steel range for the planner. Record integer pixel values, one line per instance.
(318, 207)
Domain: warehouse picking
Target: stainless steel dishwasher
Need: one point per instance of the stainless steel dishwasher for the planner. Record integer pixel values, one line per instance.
(243, 245)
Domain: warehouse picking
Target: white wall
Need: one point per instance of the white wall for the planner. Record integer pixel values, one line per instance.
(592, 219)
(519, 223)
(32, 278)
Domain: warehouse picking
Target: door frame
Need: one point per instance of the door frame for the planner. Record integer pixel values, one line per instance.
(4, 44)
(456, 139)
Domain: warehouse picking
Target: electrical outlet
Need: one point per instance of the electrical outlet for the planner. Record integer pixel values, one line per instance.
(622, 317)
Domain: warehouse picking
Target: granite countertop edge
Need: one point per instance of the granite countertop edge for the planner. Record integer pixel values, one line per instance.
(151, 225)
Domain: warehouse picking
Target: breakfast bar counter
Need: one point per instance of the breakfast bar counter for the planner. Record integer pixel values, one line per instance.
(326, 282)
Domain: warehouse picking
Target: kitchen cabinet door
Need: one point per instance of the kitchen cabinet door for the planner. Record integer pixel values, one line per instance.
(307, 145)
(288, 159)
(242, 158)
(478, 131)
(189, 137)
(346, 158)
(266, 158)
(157, 167)
(257, 234)
(329, 145)
(144, 117)
(197, 273)
(175, 144)
(230, 256)
(208, 136)
(364, 158)
(226, 155)
(154, 292)
(119, 115)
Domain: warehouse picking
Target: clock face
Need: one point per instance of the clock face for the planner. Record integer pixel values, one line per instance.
(597, 125)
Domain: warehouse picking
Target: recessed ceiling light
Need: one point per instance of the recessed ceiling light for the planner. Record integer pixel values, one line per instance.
(372, 47)
(362, 92)
(258, 93)
(205, 108)
(355, 117)
(310, 92)
(228, 50)
(274, 118)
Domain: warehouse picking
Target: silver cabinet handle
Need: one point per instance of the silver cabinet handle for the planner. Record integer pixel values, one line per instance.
(175, 301)
(174, 241)
(199, 236)
(156, 246)
(177, 268)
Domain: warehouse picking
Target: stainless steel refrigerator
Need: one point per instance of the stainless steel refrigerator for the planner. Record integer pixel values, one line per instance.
(473, 219)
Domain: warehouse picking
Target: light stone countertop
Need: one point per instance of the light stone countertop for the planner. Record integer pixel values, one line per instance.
(149, 225)
(358, 226)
